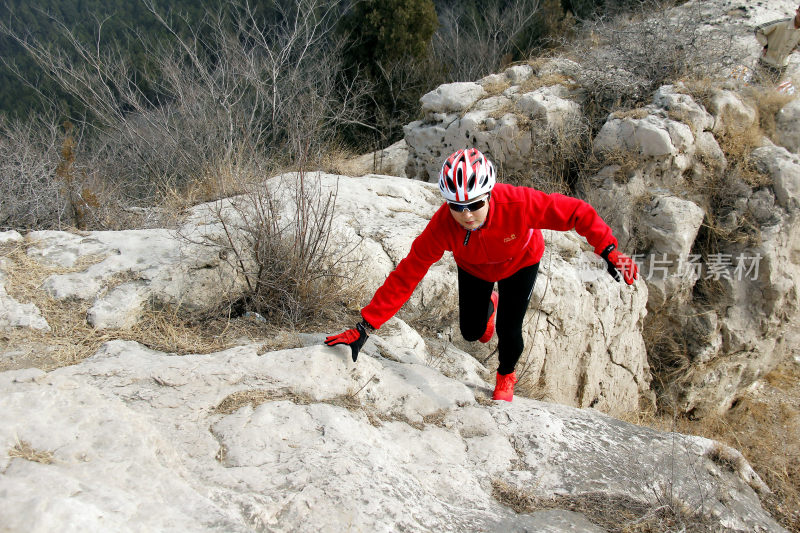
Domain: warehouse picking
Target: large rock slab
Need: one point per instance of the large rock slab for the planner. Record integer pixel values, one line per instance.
(303, 439)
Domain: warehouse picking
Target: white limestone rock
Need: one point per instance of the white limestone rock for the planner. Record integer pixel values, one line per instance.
(120, 308)
(502, 126)
(683, 107)
(12, 236)
(452, 97)
(390, 161)
(670, 225)
(708, 150)
(15, 314)
(551, 105)
(580, 331)
(172, 269)
(518, 73)
(650, 136)
(784, 169)
(306, 440)
(787, 126)
(753, 329)
(730, 113)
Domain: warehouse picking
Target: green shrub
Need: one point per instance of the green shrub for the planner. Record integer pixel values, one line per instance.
(385, 31)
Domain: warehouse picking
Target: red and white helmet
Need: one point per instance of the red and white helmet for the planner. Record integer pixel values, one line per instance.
(466, 175)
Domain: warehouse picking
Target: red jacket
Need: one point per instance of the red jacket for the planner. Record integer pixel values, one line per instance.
(508, 241)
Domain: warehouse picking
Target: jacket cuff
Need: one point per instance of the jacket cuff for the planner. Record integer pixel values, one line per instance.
(612, 243)
(367, 326)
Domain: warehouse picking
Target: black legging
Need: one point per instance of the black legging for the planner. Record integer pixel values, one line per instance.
(514, 295)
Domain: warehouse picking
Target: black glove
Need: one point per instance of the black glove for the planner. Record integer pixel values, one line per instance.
(620, 266)
(355, 338)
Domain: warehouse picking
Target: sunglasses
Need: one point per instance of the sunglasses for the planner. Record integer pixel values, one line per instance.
(474, 206)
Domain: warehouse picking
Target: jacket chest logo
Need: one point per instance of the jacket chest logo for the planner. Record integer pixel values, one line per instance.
(510, 238)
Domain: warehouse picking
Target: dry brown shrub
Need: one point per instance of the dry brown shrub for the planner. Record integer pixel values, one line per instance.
(667, 352)
(281, 242)
(535, 389)
(620, 72)
(737, 141)
(557, 158)
(702, 89)
(220, 180)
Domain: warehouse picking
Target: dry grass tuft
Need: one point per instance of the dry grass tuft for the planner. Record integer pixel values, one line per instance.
(634, 114)
(216, 181)
(23, 450)
(666, 349)
(175, 331)
(496, 88)
(549, 80)
(768, 102)
(530, 385)
(485, 401)
(724, 457)
(256, 397)
(613, 513)
(70, 338)
(626, 164)
(340, 159)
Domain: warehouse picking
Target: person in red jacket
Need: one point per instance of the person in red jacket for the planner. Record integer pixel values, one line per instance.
(493, 231)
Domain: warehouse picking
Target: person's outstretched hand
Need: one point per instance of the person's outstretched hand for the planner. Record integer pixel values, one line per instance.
(355, 338)
(620, 266)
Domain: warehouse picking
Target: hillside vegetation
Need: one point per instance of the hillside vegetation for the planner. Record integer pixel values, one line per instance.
(137, 105)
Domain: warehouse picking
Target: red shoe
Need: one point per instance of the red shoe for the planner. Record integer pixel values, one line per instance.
(487, 335)
(504, 389)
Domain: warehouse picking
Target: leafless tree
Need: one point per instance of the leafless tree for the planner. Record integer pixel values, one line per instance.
(30, 194)
(474, 43)
(235, 91)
